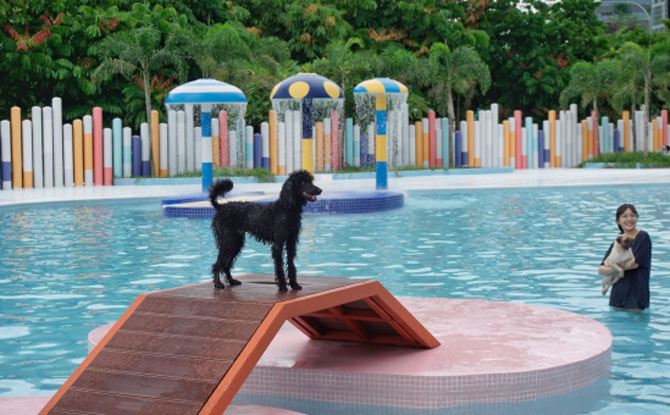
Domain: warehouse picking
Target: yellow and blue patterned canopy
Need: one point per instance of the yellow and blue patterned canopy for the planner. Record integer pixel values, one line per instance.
(380, 86)
(306, 85)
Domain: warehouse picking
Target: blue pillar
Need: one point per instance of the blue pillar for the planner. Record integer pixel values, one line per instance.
(206, 125)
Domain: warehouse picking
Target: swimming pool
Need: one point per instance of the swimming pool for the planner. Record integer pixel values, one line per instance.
(65, 270)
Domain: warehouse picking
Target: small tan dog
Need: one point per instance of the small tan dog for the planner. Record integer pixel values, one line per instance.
(619, 260)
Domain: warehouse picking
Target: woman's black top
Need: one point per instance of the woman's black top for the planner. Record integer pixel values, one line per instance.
(632, 291)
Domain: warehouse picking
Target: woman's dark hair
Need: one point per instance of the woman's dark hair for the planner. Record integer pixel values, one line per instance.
(620, 211)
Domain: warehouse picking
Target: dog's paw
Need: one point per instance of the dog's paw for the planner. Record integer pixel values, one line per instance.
(233, 281)
(295, 286)
(282, 287)
(219, 285)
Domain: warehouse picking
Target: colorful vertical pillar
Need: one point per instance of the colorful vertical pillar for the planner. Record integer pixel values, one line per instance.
(552, 138)
(223, 139)
(190, 140)
(216, 147)
(181, 141)
(458, 149)
(155, 143)
(288, 142)
(445, 142)
(97, 146)
(327, 150)
(48, 146)
(540, 151)
(68, 162)
(249, 147)
(626, 130)
(127, 152)
(664, 117)
(506, 146)
(145, 151)
(36, 113)
(172, 143)
(418, 144)
(349, 142)
(425, 137)
(432, 159)
(478, 142)
(529, 143)
(108, 159)
(654, 138)
(380, 141)
(117, 132)
(274, 166)
(6, 152)
(307, 140)
(57, 108)
(594, 120)
(88, 151)
(262, 148)
(137, 155)
(163, 158)
(27, 134)
(335, 140)
(297, 142)
(512, 142)
(281, 148)
(356, 145)
(206, 146)
(470, 120)
(78, 152)
(519, 160)
(17, 161)
(319, 145)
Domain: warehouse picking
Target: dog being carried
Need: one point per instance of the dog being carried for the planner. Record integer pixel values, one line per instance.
(276, 224)
(620, 259)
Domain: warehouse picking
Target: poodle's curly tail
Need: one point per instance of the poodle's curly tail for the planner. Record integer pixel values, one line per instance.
(219, 188)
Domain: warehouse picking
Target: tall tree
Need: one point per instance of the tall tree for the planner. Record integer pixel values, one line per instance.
(141, 50)
(455, 72)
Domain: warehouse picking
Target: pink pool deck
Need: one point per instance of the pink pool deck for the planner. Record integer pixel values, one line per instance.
(490, 352)
(32, 405)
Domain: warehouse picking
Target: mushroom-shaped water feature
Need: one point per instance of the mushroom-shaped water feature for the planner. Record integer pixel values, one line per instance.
(205, 96)
(386, 92)
(315, 96)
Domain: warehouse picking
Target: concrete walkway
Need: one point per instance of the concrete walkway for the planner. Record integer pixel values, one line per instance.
(519, 178)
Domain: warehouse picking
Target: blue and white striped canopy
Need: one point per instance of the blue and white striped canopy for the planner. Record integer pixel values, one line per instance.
(204, 91)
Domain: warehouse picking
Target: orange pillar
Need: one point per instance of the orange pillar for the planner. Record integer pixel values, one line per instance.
(17, 154)
(78, 152)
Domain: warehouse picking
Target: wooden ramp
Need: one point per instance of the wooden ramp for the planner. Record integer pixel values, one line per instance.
(188, 350)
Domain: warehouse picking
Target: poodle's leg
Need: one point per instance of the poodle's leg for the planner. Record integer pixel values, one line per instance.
(277, 256)
(292, 272)
(216, 271)
(233, 247)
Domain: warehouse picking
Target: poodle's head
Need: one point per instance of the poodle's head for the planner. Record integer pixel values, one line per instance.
(300, 187)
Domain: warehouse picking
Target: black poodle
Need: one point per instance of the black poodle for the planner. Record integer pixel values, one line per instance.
(276, 224)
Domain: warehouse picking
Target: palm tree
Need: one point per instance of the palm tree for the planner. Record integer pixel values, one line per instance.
(456, 72)
(140, 52)
(589, 81)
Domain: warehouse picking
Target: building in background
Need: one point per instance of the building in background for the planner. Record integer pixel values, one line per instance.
(648, 14)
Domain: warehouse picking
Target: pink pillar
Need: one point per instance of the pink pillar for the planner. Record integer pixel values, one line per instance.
(520, 164)
(664, 117)
(431, 139)
(97, 146)
(223, 139)
(335, 140)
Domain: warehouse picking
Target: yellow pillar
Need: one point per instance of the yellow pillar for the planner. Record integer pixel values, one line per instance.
(418, 144)
(470, 119)
(17, 154)
(319, 145)
(506, 146)
(78, 152)
(626, 130)
(585, 140)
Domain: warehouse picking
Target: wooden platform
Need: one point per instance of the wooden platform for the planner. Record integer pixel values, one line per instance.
(188, 350)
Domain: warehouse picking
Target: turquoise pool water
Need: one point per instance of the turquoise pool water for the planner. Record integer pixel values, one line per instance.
(65, 270)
